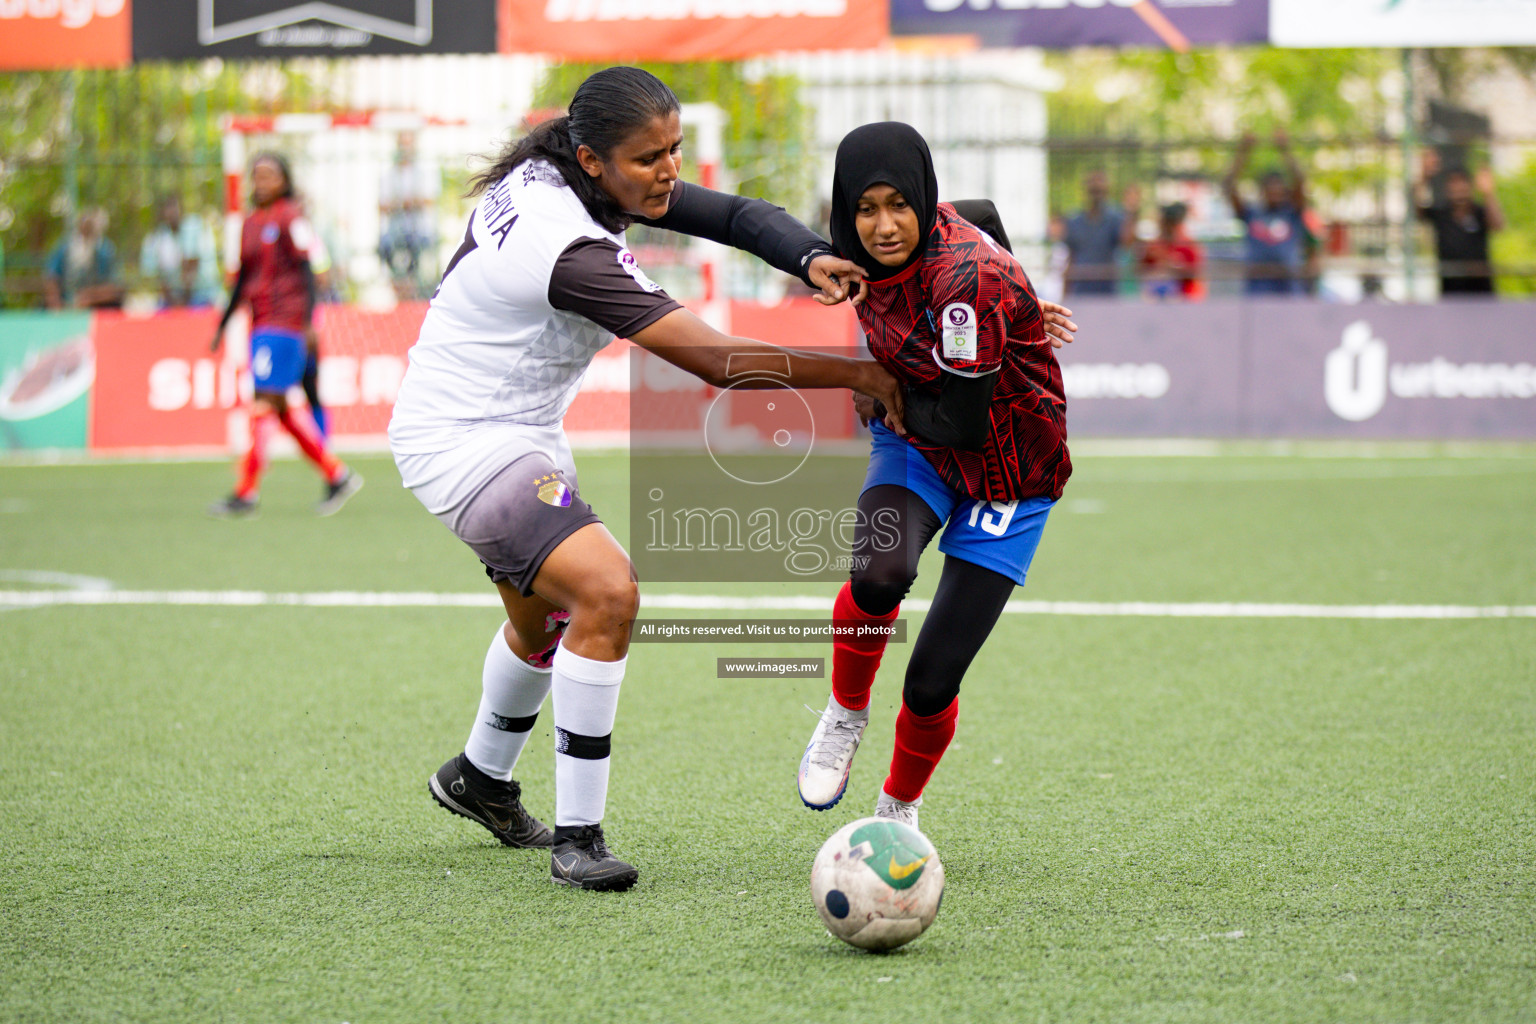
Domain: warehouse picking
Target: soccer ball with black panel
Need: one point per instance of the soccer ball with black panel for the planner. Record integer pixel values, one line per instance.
(877, 883)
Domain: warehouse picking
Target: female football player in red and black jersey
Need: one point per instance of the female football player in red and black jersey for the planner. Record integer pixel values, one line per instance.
(952, 315)
(278, 283)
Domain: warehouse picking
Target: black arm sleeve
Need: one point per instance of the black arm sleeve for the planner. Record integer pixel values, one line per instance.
(751, 225)
(983, 213)
(234, 295)
(957, 417)
(311, 289)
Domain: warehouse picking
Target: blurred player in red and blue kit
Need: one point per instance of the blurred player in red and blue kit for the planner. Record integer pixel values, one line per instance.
(951, 314)
(278, 282)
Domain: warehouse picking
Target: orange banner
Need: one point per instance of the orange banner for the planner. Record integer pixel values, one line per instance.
(681, 30)
(41, 34)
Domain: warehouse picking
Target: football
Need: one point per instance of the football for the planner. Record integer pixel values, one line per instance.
(877, 883)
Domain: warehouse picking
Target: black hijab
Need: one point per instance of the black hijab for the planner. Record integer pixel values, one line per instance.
(889, 153)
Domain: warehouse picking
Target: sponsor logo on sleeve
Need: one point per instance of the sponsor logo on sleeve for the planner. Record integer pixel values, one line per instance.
(627, 261)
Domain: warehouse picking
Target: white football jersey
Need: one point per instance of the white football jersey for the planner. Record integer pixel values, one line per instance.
(535, 291)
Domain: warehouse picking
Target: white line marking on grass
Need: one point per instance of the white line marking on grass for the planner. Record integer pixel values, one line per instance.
(720, 602)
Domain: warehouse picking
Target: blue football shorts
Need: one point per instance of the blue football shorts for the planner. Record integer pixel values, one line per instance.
(277, 359)
(997, 535)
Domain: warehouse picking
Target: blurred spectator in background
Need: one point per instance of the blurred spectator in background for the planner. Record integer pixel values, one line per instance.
(1462, 225)
(1277, 246)
(1170, 263)
(82, 270)
(179, 257)
(407, 194)
(1095, 237)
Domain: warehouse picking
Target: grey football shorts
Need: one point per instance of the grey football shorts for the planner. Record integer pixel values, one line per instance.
(519, 517)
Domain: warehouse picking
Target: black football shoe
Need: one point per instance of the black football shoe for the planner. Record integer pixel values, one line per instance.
(336, 494)
(580, 858)
(233, 507)
(465, 790)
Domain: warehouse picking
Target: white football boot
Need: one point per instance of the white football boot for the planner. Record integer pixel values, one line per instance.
(897, 810)
(829, 755)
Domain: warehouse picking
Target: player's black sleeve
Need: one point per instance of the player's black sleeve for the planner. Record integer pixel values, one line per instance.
(751, 225)
(234, 295)
(983, 213)
(311, 289)
(596, 279)
(958, 416)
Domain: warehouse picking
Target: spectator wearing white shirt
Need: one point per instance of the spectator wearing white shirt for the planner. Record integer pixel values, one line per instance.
(180, 257)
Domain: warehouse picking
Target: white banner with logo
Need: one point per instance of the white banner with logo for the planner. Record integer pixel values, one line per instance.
(1305, 23)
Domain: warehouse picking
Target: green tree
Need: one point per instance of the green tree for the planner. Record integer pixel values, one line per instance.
(118, 139)
(768, 130)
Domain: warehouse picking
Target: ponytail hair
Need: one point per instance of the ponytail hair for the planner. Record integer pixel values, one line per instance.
(608, 107)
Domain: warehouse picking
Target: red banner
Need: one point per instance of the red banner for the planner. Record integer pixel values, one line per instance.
(683, 30)
(41, 34)
(158, 386)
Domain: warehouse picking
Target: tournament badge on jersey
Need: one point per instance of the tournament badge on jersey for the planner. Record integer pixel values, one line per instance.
(553, 491)
(958, 332)
(632, 268)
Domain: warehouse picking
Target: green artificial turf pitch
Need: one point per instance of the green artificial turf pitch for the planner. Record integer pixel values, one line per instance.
(220, 813)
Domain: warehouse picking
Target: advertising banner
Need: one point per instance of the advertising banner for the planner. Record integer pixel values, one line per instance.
(1060, 24)
(1279, 368)
(47, 368)
(1402, 22)
(160, 386)
(1385, 371)
(684, 30)
(41, 34)
(1138, 372)
(192, 29)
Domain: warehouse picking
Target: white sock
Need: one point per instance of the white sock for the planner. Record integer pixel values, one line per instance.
(512, 691)
(586, 699)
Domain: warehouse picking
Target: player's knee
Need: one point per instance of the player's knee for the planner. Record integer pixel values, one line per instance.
(878, 596)
(932, 682)
(612, 598)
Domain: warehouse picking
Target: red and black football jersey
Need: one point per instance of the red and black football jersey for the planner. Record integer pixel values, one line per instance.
(274, 246)
(967, 307)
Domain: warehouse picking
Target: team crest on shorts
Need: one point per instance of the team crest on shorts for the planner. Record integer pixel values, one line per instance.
(553, 491)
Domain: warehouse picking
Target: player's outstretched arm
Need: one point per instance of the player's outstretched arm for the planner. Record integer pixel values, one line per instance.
(722, 361)
(764, 230)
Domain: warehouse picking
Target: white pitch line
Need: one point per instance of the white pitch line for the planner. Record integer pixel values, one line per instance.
(718, 602)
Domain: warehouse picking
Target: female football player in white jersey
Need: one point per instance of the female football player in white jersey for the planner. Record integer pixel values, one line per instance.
(541, 282)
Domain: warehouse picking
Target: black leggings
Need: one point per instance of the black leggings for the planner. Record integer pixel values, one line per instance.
(895, 527)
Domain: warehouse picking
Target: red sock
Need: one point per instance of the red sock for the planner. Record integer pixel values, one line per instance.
(255, 460)
(920, 744)
(311, 445)
(854, 661)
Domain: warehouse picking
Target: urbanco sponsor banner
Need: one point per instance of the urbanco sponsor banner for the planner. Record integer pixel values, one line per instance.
(42, 34)
(190, 29)
(1060, 24)
(1455, 370)
(1154, 371)
(685, 30)
(1307, 23)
